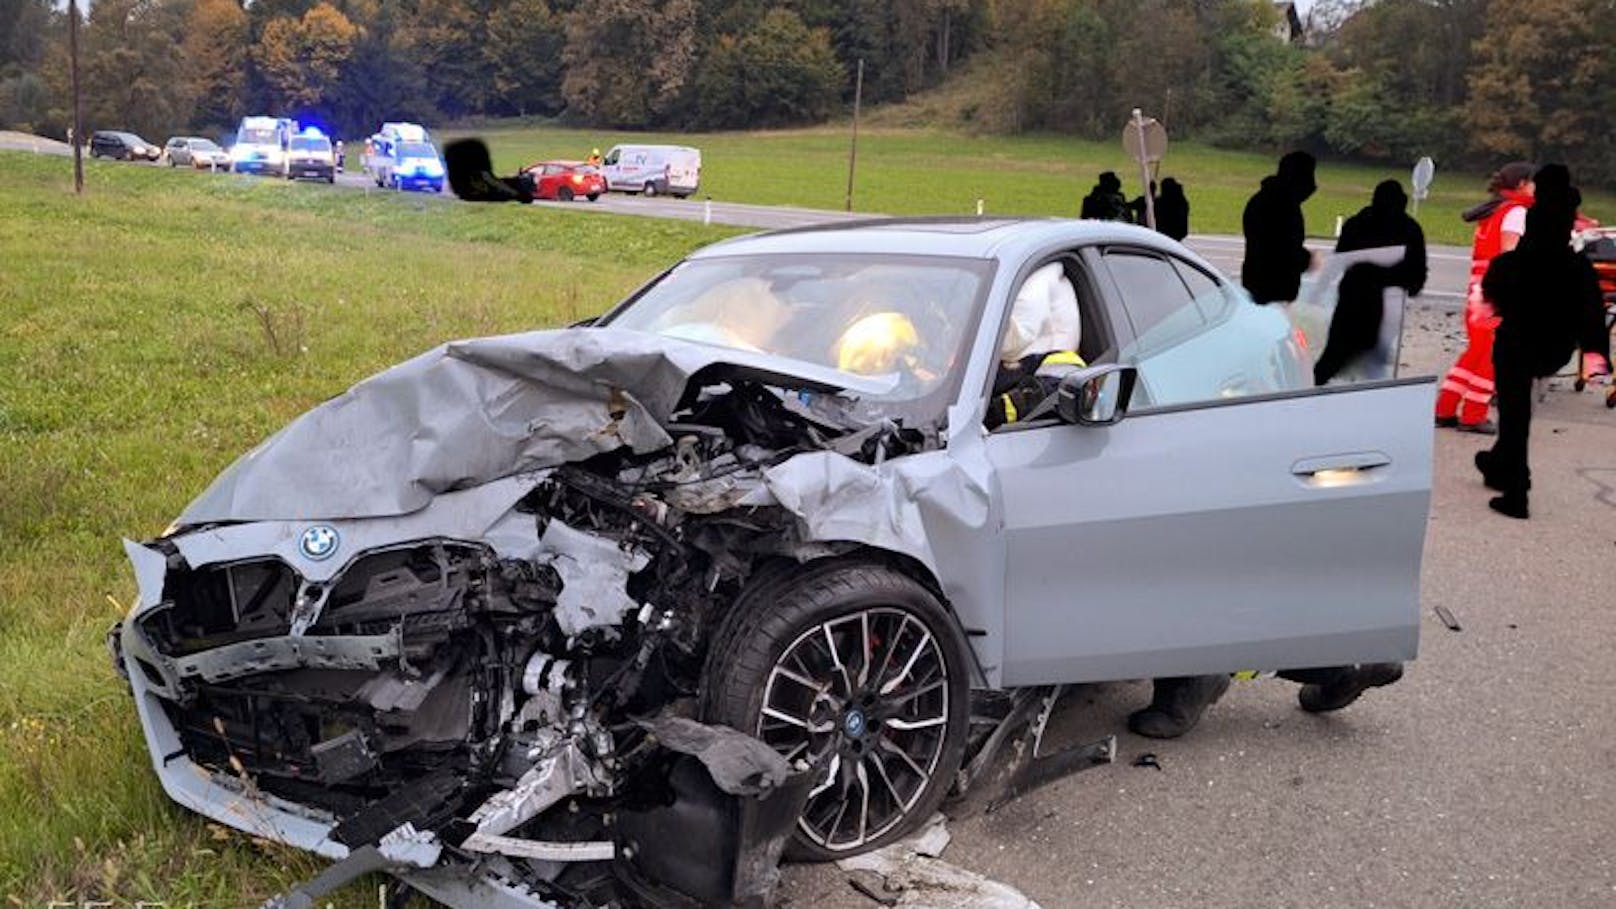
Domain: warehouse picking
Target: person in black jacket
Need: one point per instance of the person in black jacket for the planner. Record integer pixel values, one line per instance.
(1275, 255)
(1549, 303)
(1105, 202)
(1360, 306)
(1173, 210)
(471, 175)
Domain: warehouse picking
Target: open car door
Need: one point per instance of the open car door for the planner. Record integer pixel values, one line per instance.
(1243, 530)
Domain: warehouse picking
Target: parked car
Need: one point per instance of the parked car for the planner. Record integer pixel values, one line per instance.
(197, 152)
(653, 169)
(310, 155)
(527, 603)
(565, 180)
(108, 143)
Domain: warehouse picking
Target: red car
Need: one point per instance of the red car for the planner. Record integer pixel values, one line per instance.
(565, 180)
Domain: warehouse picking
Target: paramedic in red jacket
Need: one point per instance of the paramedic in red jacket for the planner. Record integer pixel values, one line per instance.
(1467, 389)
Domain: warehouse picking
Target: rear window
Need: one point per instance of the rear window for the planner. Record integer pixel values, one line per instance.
(417, 150)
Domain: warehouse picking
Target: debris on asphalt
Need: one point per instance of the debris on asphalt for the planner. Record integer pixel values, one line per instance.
(1147, 760)
(911, 873)
(1447, 618)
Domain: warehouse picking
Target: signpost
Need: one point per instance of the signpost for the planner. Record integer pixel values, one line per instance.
(852, 151)
(1423, 172)
(76, 134)
(1145, 141)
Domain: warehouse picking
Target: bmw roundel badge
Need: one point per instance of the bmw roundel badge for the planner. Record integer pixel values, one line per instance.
(319, 542)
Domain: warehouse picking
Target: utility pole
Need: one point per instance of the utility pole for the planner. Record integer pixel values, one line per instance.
(852, 152)
(78, 120)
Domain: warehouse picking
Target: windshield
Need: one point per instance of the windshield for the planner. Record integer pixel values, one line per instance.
(416, 150)
(256, 136)
(311, 143)
(903, 321)
(203, 145)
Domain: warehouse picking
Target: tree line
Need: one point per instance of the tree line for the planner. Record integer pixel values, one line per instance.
(1465, 81)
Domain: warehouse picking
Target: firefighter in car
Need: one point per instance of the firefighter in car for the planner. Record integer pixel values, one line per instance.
(1039, 347)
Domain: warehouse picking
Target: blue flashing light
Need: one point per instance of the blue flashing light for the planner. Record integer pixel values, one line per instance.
(313, 132)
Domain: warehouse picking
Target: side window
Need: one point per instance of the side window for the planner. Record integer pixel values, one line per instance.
(1196, 339)
(1052, 312)
(1215, 300)
(1159, 305)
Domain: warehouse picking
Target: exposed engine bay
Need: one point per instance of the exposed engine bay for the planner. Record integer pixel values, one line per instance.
(505, 724)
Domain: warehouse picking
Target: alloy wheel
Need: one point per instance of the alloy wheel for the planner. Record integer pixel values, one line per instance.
(867, 694)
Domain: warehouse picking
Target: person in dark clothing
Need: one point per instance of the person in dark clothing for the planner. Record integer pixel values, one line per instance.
(1275, 254)
(1178, 703)
(471, 175)
(1360, 306)
(1549, 305)
(1105, 202)
(1173, 210)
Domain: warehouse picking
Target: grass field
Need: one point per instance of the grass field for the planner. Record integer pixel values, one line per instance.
(912, 171)
(136, 361)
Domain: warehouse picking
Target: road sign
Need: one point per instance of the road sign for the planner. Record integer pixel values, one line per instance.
(1147, 135)
(1145, 141)
(1424, 171)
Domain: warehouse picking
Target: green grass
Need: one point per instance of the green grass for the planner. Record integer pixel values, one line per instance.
(134, 365)
(917, 171)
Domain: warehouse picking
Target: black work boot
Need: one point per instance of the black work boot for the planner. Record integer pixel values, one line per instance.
(1177, 705)
(1346, 687)
(1512, 504)
(1493, 479)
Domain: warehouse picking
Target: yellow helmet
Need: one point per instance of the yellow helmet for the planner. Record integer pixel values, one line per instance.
(877, 343)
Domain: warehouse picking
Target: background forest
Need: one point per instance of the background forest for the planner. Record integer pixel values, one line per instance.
(1465, 81)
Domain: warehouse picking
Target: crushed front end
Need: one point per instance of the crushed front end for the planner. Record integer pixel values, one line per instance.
(492, 697)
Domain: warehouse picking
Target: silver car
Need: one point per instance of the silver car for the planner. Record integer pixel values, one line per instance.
(636, 604)
(197, 152)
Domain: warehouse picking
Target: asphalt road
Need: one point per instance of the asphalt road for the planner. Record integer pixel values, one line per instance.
(1486, 778)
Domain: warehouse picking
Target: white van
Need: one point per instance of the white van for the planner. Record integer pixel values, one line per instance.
(261, 145)
(653, 169)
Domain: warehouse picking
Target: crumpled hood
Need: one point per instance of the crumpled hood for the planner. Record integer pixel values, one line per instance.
(468, 412)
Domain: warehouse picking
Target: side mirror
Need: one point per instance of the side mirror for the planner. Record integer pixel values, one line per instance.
(1096, 397)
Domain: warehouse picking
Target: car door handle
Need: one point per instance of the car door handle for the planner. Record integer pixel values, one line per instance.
(1340, 470)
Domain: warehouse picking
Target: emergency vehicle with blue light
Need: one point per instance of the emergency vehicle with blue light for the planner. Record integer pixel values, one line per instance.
(401, 156)
(261, 145)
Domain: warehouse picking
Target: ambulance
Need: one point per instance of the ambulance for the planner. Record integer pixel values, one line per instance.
(261, 145)
(401, 156)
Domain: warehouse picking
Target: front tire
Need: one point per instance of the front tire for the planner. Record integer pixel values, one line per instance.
(564, 194)
(859, 667)
(650, 189)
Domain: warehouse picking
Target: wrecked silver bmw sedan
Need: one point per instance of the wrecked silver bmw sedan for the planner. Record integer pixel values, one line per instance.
(624, 610)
